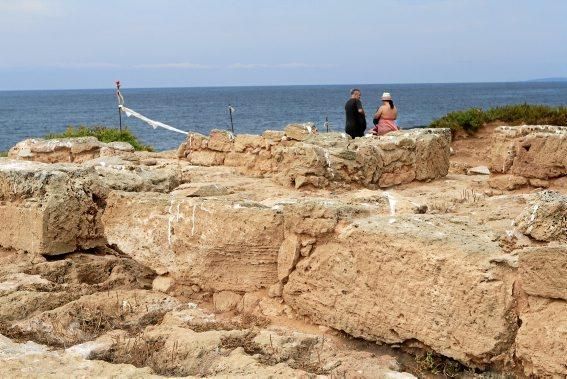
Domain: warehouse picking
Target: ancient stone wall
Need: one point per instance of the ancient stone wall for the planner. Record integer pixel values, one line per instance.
(528, 154)
(300, 157)
(438, 282)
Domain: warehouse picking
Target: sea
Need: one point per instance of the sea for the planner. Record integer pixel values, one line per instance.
(29, 114)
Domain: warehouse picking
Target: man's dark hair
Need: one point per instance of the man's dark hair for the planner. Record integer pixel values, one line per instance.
(352, 91)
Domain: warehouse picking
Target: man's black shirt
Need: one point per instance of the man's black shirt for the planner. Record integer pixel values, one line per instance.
(355, 121)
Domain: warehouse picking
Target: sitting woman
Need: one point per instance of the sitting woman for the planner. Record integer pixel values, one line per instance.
(385, 117)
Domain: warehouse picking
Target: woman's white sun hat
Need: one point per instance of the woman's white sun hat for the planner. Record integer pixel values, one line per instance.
(386, 96)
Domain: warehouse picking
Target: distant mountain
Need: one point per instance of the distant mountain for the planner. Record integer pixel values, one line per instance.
(548, 80)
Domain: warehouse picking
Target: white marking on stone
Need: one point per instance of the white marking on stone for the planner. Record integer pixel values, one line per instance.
(193, 220)
(392, 201)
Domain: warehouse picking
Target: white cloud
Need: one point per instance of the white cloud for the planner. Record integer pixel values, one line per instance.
(175, 65)
(291, 65)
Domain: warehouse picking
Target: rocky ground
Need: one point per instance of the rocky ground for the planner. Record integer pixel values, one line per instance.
(143, 264)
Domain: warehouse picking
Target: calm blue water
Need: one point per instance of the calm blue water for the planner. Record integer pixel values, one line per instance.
(25, 114)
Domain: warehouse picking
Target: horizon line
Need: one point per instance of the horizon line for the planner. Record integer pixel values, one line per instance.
(542, 80)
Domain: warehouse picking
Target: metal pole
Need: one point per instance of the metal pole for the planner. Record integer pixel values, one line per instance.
(118, 97)
(327, 123)
(230, 113)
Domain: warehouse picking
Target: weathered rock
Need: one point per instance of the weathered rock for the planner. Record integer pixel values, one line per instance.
(302, 158)
(543, 271)
(38, 361)
(66, 150)
(217, 244)
(225, 301)
(87, 317)
(288, 256)
(300, 132)
(534, 182)
(541, 344)
(163, 284)
(47, 209)
(507, 182)
(546, 218)
(533, 151)
(419, 278)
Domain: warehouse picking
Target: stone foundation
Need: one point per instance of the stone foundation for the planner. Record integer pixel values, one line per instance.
(299, 157)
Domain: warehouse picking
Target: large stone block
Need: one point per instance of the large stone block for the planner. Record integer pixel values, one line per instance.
(419, 279)
(541, 344)
(543, 271)
(47, 209)
(531, 151)
(215, 243)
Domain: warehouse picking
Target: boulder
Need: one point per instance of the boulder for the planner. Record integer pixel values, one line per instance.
(507, 182)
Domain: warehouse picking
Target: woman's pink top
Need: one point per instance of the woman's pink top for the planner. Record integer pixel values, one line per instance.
(385, 125)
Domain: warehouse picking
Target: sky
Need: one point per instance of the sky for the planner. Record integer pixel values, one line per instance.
(68, 44)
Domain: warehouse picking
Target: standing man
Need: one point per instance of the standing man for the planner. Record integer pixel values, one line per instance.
(355, 117)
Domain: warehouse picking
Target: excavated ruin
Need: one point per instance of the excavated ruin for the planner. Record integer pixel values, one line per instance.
(291, 254)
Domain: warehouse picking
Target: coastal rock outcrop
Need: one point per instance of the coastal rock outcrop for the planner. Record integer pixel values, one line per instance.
(300, 157)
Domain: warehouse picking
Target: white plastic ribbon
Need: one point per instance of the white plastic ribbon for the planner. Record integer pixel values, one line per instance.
(154, 124)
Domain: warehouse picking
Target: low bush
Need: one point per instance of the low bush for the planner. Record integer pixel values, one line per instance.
(471, 120)
(3, 154)
(103, 134)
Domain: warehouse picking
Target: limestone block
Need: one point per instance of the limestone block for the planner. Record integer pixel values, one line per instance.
(64, 150)
(507, 182)
(220, 140)
(47, 209)
(541, 344)
(418, 278)
(288, 256)
(531, 151)
(546, 217)
(162, 283)
(214, 243)
(400, 175)
(543, 271)
(541, 155)
(432, 155)
(300, 132)
(273, 135)
(206, 158)
(242, 142)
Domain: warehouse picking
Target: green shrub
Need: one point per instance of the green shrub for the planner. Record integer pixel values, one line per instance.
(471, 120)
(103, 134)
(3, 154)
